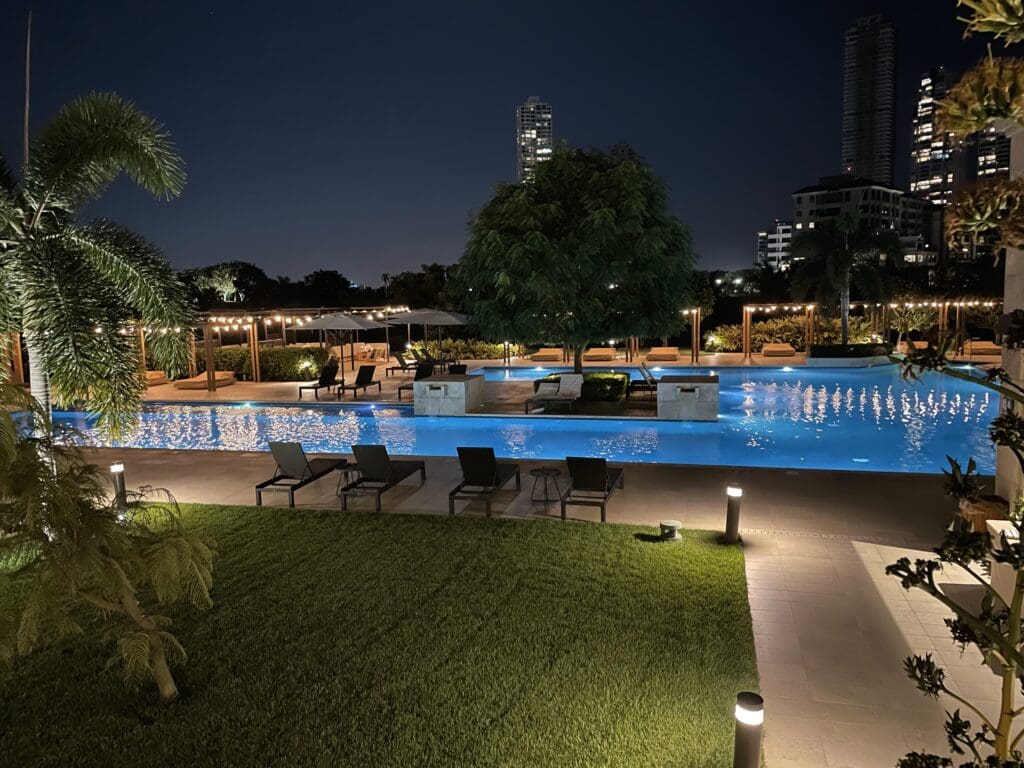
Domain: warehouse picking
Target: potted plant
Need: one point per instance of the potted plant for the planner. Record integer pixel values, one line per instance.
(967, 488)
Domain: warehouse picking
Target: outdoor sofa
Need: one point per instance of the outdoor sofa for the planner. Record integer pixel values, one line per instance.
(547, 355)
(663, 355)
(602, 354)
(777, 350)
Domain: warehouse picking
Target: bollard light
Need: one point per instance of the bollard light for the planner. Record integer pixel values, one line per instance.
(120, 492)
(734, 494)
(749, 721)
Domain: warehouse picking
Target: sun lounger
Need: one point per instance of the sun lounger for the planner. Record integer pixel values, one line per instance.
(155, 378)
(378, 473)
(404, 366)
(604, 354)
(482, 477)
(647, 382)
(983, 348)
(222, 379)
(295, 471)
(663, 355)
(364, 380)
(423, 371)
(327, 380)
(547, 355)
(591, 483)
(568, 390)
(777, 350)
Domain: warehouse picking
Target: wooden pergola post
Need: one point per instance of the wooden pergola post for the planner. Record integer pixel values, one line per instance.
(254, 347)
(695, 337)
(17, 368)
(943, 320)
(747, 312)
(192, 363)
(143, 365)
(810, 327)
(211, 377)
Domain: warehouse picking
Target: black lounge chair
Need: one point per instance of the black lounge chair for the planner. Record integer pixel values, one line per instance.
(423, 371)
(591, 483)
(480, 471)
(295, 471)
(364, 380)
(404, 366)
(327, 380)
(426, 357)
(646, 383)
(378, 473)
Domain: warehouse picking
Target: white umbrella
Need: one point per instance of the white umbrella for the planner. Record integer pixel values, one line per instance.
(427, 317)
(340, 321)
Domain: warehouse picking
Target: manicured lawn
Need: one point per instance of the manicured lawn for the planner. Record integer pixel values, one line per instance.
(389, 640)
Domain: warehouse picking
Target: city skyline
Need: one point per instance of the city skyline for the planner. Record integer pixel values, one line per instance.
(386, 181)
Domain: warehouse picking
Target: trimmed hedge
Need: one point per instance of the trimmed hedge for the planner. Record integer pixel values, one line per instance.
(598, 386)
(467, 349)
(276, 363)
(784, 330)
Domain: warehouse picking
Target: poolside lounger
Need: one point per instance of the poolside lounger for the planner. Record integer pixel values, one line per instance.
(404, 366)
(777, 350)
(295, 471)
(663, 354)
(482, 477)
(327, 380)
(567, 390)
(364, 380)
(600, 353)
(423, 371)
(591, 483)
(647, 382)
(975, 347)
(547, 354)
(155, 378)
(378, 473)
(222, 379)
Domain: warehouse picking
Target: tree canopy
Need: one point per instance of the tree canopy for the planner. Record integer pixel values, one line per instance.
(587, 250)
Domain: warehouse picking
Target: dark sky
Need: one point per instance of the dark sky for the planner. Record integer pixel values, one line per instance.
(359, 136)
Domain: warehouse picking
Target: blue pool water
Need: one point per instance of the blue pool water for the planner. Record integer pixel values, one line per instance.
(860, 419)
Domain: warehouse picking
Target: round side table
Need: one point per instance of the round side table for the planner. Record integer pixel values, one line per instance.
(547, 475)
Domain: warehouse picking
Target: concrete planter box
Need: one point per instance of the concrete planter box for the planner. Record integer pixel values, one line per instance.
(448, 395)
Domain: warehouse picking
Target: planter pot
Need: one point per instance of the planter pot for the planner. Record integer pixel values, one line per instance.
(980, 511)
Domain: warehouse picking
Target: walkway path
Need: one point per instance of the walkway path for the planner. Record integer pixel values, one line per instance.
(830, 628)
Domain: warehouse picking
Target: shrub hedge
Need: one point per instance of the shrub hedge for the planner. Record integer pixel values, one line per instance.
(276, 363)
(785, 330)
(598, 386)
(467, 349)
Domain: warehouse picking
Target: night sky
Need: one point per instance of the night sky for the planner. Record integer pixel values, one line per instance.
(359, 136)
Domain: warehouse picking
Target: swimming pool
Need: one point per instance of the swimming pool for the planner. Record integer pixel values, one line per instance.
(850, 419)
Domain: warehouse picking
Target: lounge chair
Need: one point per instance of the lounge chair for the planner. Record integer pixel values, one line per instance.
(983, 348)
(404, 366)
(222, 379)
(663, 354)
(568, 390)
(777, 350)
(295, 471)
(647, 382)
(155, 378)
(378, 473)
(482, 477)
(423, 371)
(364, 380)
(328, 380)
(603, 354)
(591, 483)
(548, 355)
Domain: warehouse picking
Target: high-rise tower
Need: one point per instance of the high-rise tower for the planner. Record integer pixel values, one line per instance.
(534, 142)
(869, 99)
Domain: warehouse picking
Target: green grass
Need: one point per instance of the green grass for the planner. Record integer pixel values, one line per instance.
(391, 640)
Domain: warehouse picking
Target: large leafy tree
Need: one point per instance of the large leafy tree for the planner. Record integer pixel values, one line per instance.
(76, 561)
(842, 252)
(585, 251)
(72, 287)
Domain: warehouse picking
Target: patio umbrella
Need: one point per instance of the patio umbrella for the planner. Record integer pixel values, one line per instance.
(340, 321)
(427, 317)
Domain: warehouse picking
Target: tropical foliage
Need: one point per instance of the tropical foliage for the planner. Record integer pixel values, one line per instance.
(586, 251)
(988, 207)
(73, 288)
(991, 90)
(790, 330)
(841, 252)
(80, 563)
(1000, 18)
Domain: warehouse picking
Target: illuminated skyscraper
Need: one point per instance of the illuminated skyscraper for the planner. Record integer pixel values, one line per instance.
(534, 142)
(993, 155)
(869, 99)
(934, 156)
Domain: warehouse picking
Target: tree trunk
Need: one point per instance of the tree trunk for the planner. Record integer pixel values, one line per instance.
(844, 310)
(161, 672)
(577, 357)
(39, 382)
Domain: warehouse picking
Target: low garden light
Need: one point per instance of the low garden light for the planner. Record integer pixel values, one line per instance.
(734, 495)
(749, 723)
(120, 490)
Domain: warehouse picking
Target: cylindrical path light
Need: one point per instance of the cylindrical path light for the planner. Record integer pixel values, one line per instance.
(749, 721)
(734, 495)
(120, 491)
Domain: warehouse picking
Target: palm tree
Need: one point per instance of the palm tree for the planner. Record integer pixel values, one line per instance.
(839, 252)
(78, 290)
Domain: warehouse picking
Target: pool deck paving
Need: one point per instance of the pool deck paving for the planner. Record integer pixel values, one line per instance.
(830, 628)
